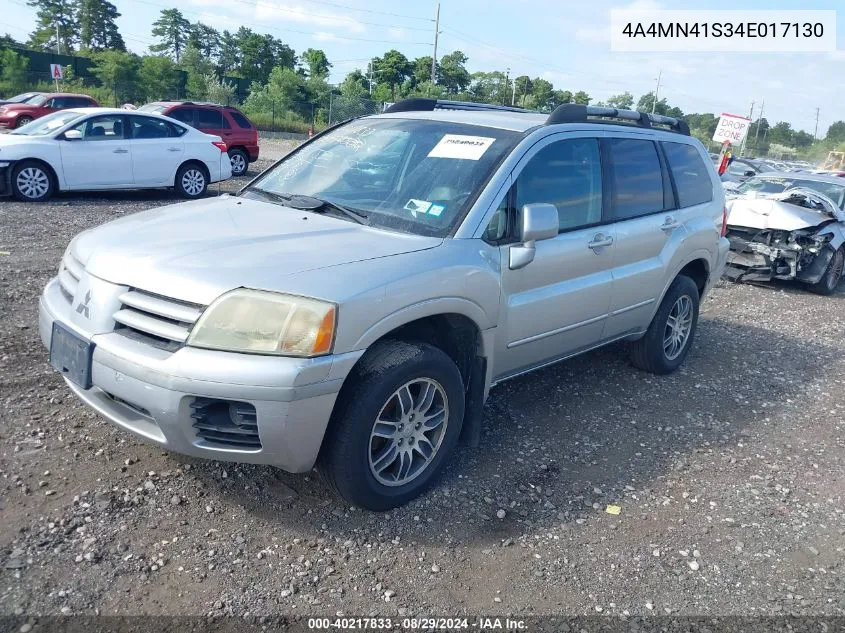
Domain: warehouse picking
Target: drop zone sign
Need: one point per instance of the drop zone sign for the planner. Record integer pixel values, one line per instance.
(731, 128)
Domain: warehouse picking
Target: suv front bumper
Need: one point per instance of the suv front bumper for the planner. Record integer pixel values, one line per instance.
(149, 392)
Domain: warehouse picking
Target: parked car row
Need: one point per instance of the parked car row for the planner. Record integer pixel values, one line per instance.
(227, 123)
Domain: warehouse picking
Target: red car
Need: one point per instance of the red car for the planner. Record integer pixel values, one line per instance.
(227, 122)
(18, 114)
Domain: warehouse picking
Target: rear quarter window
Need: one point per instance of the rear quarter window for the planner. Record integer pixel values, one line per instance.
(692, 180)
(241, 120)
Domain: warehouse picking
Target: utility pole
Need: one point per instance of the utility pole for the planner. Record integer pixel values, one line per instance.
(656, 91)
(513, 99)
(370, 78)
(507, 85)
(816, 129)
(759, 120)
(434, 57)
(745, 138)
(58, 51)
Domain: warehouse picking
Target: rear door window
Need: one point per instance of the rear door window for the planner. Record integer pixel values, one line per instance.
(211, 120)
(241, 120)
(148, 128)
(692, 180)
(637, 186)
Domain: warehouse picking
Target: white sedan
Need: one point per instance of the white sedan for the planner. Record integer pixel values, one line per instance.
(107, 148)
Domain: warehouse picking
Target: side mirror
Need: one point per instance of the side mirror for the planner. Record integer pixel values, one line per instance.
(750, 172)
(539, 222)
(73, 135)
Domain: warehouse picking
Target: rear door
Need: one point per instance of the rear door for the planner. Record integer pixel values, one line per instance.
(157, 150)
(101, 158)
(557, 305)
(213, 121)
(650, 228)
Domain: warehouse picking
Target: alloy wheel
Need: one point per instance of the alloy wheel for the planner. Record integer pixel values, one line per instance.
(408, 432)
(193, 182)
(678, 327)
(32, 182)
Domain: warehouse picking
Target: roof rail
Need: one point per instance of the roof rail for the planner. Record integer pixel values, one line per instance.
(577, 113)
(427, 105)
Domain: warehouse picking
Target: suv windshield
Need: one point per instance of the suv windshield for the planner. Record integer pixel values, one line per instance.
(47, 124)
(835, 192)
(417, 176)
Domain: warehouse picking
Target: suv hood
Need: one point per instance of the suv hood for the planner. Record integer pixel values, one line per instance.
(198, 250)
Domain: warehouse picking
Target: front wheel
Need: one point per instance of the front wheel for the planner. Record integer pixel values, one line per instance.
(394, 425)
(669, 337)
(32, 182)
(830, 280)
(191, 181)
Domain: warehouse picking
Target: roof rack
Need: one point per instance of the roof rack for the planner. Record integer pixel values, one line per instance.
(427, 105)
(577, 113)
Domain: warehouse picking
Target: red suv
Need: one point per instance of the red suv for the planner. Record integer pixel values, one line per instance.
(227, 122)
(18, 114)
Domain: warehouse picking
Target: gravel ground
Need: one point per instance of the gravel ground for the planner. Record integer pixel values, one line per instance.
(728, 475)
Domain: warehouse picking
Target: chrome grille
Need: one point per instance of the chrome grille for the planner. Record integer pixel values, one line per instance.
(225, 422)
(70, 272)
(159, 321)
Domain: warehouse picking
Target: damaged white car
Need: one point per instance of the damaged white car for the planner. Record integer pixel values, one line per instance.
(785, 227)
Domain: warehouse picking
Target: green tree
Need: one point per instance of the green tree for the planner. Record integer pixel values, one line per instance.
(522, 89)
(661, 107)
(392, 69)
(422, 70)
(172, 29)
(259, 54)
(355, 86)
(453, 74)
(624, 101)
(836, 132)
(52, 16)
(316, 63)
(781, 134)
(802, 139)
(197, 67)
(229, 57)
(218, 91)
(13, 71)
(582, 98)
(283, 91)
(118, 71)
(542, 94)
(157, 78)
(9, 41)
(97, 22)
(205, 39)
(489, 87)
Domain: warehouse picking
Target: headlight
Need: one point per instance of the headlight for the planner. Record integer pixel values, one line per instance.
(262, 322)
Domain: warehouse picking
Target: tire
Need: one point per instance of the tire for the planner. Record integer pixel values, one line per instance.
(240, 162)
(191, 181)
(650, 353)
(32, 182)
(367, 470)
(830, 280)
(23, 120)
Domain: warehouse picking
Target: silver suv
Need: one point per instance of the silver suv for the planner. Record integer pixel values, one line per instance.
(354, 304)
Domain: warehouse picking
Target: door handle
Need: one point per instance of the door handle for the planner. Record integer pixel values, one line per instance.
(173, 149)
(120, 151)
(600, 241)
(669, 224)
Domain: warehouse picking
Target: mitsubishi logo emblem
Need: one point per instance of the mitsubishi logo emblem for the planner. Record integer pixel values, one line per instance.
(82, 308)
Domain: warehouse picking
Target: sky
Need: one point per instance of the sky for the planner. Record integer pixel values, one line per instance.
(564, 41)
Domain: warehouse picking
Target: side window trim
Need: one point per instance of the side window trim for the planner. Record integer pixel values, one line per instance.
(668, 180)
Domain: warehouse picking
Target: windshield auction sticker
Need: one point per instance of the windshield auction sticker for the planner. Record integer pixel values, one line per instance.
(460, 146)
(645, 30)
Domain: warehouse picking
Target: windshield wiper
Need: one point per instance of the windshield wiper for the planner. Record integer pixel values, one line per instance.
(313, 203)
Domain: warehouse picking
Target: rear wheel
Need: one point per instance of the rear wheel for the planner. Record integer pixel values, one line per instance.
(191, 181)
(32, 182)
(830, 280)
(23, 120)
(240, 161)
(394, 425)
(669, 337)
